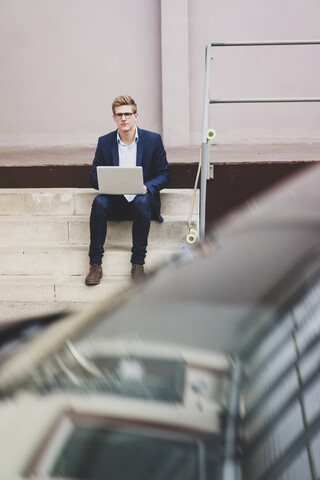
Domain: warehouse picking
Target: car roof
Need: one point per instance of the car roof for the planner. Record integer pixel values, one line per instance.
(247, 265)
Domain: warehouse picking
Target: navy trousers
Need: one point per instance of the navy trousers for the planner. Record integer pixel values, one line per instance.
(116, 207)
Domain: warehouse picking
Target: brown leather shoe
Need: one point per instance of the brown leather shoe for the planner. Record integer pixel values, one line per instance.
(94, 276)
(137, 271)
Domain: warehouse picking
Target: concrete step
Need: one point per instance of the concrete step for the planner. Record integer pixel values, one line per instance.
(40, 281)
(77, 201)
(23, 296)
(73, 259)
(44, 239)
(62, 230)
(58, 288)
(10, 311)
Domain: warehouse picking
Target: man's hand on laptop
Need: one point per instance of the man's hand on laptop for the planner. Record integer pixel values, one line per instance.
(145, 189)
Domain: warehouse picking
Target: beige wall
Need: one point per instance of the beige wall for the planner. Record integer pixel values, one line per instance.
(256, 72)
(63, 61)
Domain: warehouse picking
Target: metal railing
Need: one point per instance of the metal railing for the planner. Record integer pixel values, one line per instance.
(205, 165)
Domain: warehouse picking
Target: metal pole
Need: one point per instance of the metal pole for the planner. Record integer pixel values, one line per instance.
(266, 44)
(266, 100)
(204, 145)
(230, 465)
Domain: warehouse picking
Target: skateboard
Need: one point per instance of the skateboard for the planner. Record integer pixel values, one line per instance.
(192, 234)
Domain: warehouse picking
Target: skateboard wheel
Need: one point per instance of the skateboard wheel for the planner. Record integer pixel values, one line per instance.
(211, 134)
(192, 237)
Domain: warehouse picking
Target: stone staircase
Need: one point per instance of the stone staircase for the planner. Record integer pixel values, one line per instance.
(44, 238)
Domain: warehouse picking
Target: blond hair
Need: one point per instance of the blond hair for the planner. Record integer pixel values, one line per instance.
(124, 100)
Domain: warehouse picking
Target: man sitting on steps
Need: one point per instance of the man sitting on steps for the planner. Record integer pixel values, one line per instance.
(127, 146)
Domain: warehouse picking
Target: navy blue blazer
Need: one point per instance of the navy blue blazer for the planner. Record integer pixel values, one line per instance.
(151, 156)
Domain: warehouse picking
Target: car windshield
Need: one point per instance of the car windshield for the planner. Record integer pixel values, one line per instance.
(90, 451)
(92, 367)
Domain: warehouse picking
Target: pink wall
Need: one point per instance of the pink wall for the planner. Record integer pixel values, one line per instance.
(63, 61)
(252, 72)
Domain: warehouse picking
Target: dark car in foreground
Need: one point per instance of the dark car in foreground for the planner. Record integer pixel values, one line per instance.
(208, 369)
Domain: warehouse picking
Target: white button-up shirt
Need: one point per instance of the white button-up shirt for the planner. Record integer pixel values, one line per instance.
(128, 156)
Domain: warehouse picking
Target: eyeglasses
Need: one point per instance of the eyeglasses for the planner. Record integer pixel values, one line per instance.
(126, 114)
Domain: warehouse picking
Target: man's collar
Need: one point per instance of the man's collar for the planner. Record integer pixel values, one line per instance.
(136, 137)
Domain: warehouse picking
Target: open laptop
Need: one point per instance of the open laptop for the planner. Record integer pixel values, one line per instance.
(120, 180)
